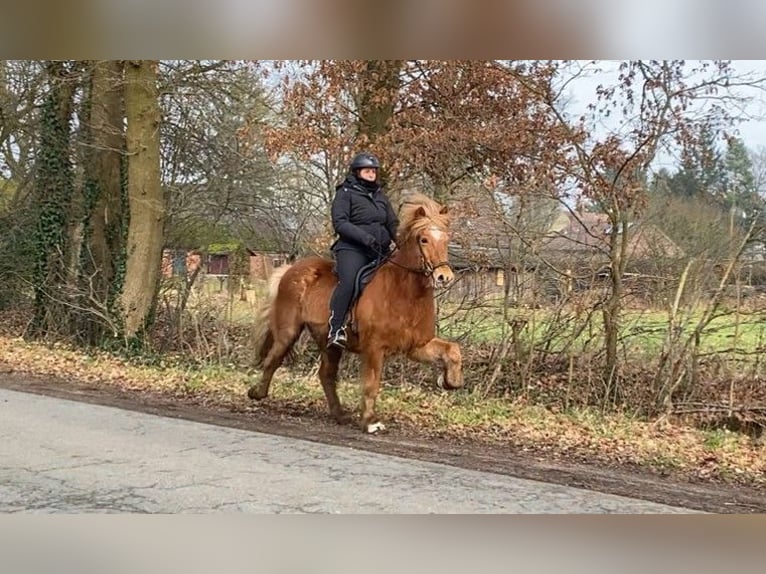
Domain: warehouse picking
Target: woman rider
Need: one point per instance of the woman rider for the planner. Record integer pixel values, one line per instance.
(365, 223)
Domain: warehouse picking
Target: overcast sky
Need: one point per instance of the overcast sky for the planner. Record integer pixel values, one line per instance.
(752, 131)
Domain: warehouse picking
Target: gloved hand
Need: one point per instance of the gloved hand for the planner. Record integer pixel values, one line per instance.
(372, 245)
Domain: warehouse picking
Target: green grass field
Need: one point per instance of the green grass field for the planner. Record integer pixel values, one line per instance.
(644, 331)
(641, 332)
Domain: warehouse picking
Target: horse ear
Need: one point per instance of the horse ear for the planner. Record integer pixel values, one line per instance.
(444, 210)
(420, 212)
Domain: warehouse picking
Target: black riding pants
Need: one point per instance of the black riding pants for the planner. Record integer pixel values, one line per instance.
(348, 262)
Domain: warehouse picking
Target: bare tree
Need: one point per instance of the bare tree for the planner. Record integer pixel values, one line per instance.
(145, 196)
(653, 104)
(212, 179)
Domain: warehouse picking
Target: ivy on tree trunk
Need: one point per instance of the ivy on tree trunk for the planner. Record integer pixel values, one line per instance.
(54, 185)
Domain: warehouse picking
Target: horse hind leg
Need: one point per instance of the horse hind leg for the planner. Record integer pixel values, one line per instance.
(281, 343)
(328, 376)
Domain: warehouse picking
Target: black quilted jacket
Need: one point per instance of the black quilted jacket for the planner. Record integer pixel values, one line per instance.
(364, 219)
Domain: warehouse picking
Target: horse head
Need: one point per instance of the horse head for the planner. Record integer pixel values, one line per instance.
(425, 232)
(433, 241)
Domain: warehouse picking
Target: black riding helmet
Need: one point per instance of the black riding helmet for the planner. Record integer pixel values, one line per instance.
(363, 160)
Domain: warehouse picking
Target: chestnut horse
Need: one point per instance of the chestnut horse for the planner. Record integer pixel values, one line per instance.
(395, 313)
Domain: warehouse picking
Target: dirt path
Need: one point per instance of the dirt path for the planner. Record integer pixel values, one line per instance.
(284, 421)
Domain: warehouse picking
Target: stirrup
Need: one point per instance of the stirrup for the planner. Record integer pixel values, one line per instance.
(338, 339)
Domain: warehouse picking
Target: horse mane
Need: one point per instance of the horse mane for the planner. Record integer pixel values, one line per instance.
(417, 212)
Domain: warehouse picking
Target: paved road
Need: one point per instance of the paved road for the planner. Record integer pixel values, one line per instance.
(64, 456)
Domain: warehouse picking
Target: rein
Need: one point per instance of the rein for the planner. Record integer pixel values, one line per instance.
(426, 270)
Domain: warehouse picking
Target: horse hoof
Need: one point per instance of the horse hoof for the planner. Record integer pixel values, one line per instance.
(256, 394)
(374, 428)
(449, 384)
(343, 418)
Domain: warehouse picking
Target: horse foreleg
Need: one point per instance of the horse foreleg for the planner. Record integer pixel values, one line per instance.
(372, 366)
(328, 376)
(447, 355)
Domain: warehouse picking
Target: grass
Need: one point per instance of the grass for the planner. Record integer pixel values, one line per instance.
(212, 294)
(641, 331)
(716, 439)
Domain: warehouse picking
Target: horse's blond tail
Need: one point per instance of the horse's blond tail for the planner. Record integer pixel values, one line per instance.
(263, 338)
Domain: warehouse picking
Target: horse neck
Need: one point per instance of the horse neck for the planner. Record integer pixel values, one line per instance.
(410, 273)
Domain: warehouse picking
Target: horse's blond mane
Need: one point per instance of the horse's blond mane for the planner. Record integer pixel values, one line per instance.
(410, 220)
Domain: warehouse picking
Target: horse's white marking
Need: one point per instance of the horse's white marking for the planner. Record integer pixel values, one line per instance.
(440, 380)
(436, 232)
(375, 427)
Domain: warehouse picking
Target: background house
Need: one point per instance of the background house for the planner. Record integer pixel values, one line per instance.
(583, 238)
(541, 250)
(223, 261)
(494, 239)
(578, 246)
(262, 263)
(179, 262)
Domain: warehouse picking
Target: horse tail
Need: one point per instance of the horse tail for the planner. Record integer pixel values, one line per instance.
(263, 338)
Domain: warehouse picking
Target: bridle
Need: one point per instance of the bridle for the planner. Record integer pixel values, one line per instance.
(426, 269)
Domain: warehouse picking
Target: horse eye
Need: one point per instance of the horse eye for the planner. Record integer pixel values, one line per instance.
(424, 240)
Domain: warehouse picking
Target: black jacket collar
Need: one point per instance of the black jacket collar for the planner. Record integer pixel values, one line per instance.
(352, 182)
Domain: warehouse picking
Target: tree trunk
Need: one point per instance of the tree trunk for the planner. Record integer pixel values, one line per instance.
(102, 221)
(146, 200)
(54, 182)
(106, 239)
(612, 310)
(379, 92)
